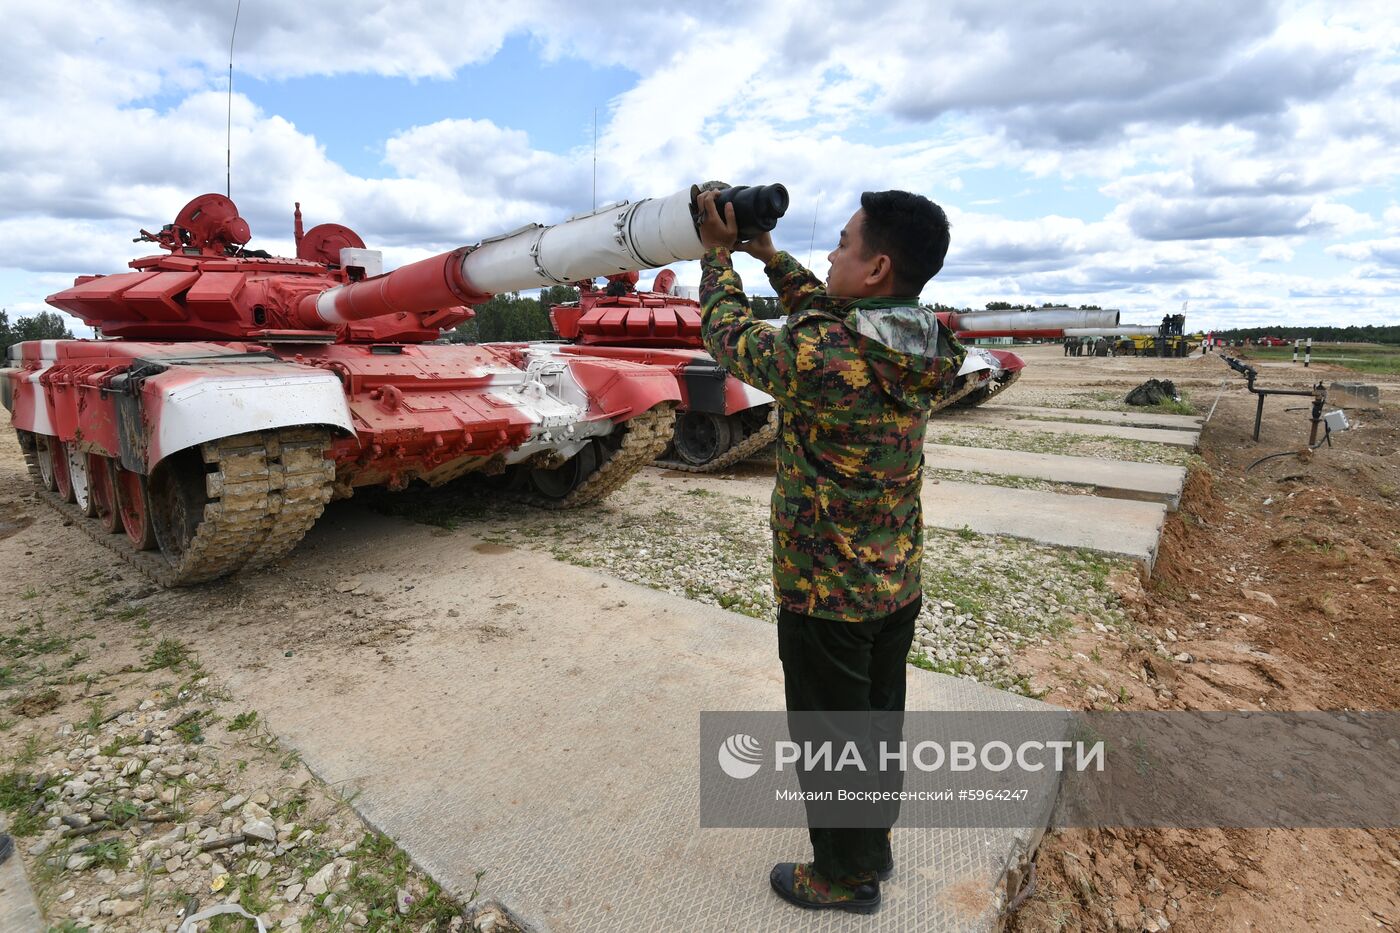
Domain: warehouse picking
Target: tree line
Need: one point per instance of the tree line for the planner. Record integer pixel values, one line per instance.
(46, 325)
(1326, 333)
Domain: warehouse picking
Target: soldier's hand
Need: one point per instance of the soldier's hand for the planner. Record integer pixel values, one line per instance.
(760, 247)
(716, 230)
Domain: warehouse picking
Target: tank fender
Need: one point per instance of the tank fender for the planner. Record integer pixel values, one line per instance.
(178, 407)
(1008, 361)
(740, 396)
(621, 390)
(23, 394)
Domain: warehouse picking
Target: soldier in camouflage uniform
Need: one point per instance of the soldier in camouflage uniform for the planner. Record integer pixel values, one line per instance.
(854, 372)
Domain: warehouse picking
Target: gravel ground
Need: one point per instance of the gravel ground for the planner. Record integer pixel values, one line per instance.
(138, 796)
(1090, 399)
(985, 597)
(1047, 442)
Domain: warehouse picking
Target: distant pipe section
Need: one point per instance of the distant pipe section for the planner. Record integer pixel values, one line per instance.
(1046, 323)
(1123, 330)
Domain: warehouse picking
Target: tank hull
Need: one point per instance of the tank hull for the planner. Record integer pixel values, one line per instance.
(228, 451)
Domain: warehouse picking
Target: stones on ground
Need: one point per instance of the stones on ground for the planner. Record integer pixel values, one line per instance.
(1259, 597)
(260, 829)
(124, 866)
(320, 882)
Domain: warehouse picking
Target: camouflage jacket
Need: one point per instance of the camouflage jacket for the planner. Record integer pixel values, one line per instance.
(854, 381)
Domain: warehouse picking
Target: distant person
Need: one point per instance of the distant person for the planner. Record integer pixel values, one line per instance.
(855, 374)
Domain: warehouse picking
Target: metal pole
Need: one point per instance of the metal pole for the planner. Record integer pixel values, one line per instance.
(1295, 350)
(1258, 415)
(1319, 399)
(228, 130)
(1307, 354)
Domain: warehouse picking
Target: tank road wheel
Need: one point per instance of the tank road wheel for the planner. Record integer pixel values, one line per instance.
(62, 479)
(240, 501)
(78, 476)
(557, 483)
(134, 508)
(102, 488)
(749, 433)
(605, 464)
(43, 456)
(701, 437)
(176, 501)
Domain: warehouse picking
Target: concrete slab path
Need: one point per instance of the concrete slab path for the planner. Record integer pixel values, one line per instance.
(548, 735)
(1110, 526)
(1116, 478)
(1168, 436)
(1141, 419)
(18, 911)
(1122, 527)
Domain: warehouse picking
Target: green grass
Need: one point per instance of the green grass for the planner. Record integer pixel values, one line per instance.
(96, 713)
(191, 732)
(380, 869)
(1363, 358)
(19, 798)
(111, 853)
(243, 721)
(168, 654)
(1170, 406)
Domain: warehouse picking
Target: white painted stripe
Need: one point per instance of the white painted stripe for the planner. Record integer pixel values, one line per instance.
(43, 421)
(325, 307)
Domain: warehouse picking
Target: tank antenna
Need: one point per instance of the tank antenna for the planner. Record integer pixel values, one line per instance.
(228, 138)
(595, 156)
(813, 241)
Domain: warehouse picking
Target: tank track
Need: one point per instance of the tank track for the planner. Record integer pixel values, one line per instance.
(31, 455)
(746, 448)
(647, 435)
(266, 490)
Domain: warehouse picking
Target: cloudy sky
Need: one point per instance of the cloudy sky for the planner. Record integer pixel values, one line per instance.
(1242, 156)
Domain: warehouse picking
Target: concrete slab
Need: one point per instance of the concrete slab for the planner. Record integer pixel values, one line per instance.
(1122, 527)
(1152, 482)
(1357, 396)
(18, 911)
(549, 736)
(1110, 526)
(1168, 436)
(1142, 419)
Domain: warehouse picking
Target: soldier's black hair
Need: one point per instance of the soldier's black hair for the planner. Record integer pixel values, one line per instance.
(911, 230)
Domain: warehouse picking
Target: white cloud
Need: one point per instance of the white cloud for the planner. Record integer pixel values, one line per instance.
(1222, 142)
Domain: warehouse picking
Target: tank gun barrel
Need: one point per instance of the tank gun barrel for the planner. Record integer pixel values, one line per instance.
(622, 237)
(1048, 322)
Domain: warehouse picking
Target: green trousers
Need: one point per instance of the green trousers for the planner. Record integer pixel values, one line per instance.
(850, 666)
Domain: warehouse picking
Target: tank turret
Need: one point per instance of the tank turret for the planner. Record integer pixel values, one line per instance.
(210, 286)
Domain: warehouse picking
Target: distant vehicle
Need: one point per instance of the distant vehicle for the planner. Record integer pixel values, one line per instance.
(1272, 342)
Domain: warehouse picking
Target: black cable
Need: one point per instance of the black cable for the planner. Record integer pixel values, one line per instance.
(1326, 438)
